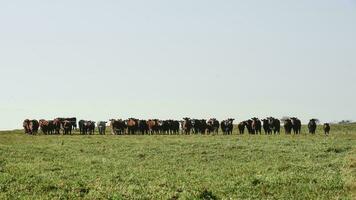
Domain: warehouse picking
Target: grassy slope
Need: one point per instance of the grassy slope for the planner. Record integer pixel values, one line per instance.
(186, 167)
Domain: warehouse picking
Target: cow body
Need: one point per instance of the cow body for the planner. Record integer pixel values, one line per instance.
(256, 126)
(326, 128)
(101, 127)
(30, 126)
(312, 126)
(241, 127)
(117, 126)
(186, 125)
(296, 125)
(227, 126)
(213, 126)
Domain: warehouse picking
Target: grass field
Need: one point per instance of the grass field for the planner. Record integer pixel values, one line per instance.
(179, 167)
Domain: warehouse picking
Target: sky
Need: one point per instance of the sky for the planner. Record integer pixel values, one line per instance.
(166, 59)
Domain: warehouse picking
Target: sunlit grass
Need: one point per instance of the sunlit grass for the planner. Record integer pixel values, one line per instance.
(179, 167)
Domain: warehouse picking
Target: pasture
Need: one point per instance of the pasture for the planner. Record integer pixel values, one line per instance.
(179, 166)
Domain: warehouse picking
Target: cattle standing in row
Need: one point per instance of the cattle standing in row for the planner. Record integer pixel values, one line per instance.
(169, 126)
(30, 126)
(288, 126)
(256, 125)
(117, 126)
(153, 126)
(132, 125)
(266, 126)
(47, 127)
(241, 127)
(199, 126)
(142, 127)
(213, 126)
(67, 127)
(86, 127)
(248, 124)
(296, 125)
(326, 128)
(186, 126)
(101, 127)
(72, 121)
(227, 126)
(274, 125)
(312, 126)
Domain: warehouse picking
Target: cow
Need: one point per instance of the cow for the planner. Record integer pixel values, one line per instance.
(248, 125)
(213, 126)
(67, 127)
(101, 127)
(174, 126)
(288, 126)
(57, 125)
(117, 126)
(143, 127)
(241, 127)
(81, 126)
(86, 127)
(199, 126)
(153, 126)
(30, 126)
(50, 127)
(132, 125)
(186, 125)
(89, 127)
(275, 124)
(44, 126)
(227, 126)
(266, 126)
(326, 128)
(256, 125)
(312, 126)
(296, 125)
(71, 120)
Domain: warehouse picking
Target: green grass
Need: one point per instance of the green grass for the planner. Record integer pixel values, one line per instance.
(179, 167)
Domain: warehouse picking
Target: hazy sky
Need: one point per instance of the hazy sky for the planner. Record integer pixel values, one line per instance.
(169, 59)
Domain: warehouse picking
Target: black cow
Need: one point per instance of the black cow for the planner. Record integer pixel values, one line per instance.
(241, 127)
(288, 126)
(312, 126)
(227, 126)
(101, 127)
(275, 124)
(117, 126)
(326, 128)
(266, 126)
(296, 125)
(143, 127)
(67, 127)
(213, 126)
(256, 125)
(86, 127)
(248, 125)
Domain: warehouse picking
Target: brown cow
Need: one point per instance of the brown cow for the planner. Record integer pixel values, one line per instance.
(132, 125)
(30, 126)
(45, 126)
(153, 126)
(186, 125)
(57, 125)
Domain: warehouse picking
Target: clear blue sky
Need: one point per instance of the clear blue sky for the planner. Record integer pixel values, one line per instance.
(169, 59)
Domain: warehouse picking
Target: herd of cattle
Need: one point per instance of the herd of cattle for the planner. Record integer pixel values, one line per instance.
(186, 126)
